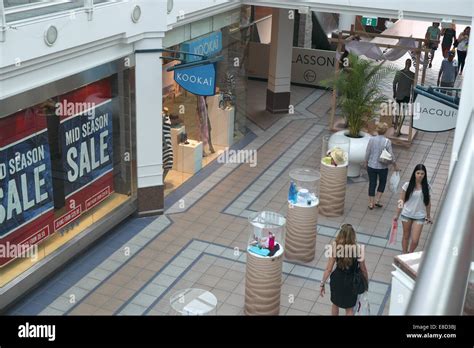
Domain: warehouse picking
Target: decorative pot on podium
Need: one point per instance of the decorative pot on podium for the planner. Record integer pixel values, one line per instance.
(302, 217)
(264, 263)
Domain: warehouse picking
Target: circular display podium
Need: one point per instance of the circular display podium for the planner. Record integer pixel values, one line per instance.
(334, 166)
(302, 217)
(264, 264)
(332, 191)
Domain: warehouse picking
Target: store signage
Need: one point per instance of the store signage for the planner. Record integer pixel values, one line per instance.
(199, 79)
(369, 21)
(432, 115)
(208, 45)
(309, 66)
(87, 161)
(312, 66)
(26, 190)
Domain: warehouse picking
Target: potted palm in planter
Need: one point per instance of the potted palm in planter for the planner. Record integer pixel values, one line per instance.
(360, 95)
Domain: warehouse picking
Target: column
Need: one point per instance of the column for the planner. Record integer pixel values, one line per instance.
(345, 21)
(279, 70)
(148, 80)
(305, 30)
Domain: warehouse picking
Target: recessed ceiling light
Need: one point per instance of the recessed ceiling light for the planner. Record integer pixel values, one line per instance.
(51, 35)
(169, 6)
(136, 14)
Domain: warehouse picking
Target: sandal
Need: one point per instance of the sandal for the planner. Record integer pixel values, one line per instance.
(371, 207)
(378, 205)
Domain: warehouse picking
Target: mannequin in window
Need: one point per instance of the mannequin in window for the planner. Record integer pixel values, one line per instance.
(167, 145)
(204, 125)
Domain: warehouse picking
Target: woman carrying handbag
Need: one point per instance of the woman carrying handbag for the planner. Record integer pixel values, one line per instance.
(379, 155)
(350, 277)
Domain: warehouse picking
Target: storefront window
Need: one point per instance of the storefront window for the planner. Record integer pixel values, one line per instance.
(64, 165)
(199, 128)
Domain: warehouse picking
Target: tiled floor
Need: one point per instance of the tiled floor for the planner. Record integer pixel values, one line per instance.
(199, 242)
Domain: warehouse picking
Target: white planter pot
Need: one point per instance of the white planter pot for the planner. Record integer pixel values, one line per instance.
(357, 149)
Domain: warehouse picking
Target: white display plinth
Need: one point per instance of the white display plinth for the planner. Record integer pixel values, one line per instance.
(194, 302)
(222, 122)
(175, 136)
(403, 281)
(190, 157)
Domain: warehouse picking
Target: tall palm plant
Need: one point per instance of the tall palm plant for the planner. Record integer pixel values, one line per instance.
(360, 91)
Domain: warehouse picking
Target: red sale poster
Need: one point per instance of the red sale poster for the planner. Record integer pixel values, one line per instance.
(26, 192)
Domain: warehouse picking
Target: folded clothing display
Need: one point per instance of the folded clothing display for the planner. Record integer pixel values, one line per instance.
(256, 250)
(263, 251)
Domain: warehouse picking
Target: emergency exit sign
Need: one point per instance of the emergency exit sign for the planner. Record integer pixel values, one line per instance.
(369, 21)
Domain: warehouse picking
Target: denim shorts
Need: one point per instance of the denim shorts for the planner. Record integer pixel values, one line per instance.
(417, 221)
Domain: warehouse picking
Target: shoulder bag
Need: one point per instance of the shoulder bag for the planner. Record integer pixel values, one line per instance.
(385, 156)
(360, 284)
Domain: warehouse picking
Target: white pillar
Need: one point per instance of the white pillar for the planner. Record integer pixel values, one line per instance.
(279, 70)
(148, 81)
(345, 21)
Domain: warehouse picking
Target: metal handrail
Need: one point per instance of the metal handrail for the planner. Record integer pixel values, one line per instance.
(441, 285)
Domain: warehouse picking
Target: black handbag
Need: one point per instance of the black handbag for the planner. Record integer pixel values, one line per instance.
(359, 284)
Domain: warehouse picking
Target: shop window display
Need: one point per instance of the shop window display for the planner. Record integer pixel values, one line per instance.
(64, 164)
(209, 124)
(266, 234)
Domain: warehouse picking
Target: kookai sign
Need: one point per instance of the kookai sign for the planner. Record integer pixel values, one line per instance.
(199, 79)
(208, 46)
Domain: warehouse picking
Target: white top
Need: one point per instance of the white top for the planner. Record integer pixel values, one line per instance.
(414, 208)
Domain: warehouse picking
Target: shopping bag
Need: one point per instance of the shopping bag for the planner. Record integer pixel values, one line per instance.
(363, 305)
(393, 232)
(394, 181)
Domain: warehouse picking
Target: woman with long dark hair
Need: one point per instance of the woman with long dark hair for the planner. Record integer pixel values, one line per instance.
(414, 206)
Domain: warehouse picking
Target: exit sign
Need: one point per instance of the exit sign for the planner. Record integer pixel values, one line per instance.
(369, 21)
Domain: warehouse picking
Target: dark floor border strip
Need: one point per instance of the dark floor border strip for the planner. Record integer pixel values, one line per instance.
(185, 271)
(126, 303)
(203, 174)
(85, 258)
(268, 167)
(198, 258)
(130, 258)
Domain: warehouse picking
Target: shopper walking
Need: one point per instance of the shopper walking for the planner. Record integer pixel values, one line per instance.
(415, 207)
(377, 170)
(402, 90)
(342, 278)
(432, 35)
(448, 71)
(449, 35)
(462, 45)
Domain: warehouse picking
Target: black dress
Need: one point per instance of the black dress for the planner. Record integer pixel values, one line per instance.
(342, 294)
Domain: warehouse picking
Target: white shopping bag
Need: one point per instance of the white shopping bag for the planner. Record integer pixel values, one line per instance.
(394, 181)
(362, 305)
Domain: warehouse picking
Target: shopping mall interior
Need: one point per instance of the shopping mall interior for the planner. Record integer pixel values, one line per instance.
(168, 158)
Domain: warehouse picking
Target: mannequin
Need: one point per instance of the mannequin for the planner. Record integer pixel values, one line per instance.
(204, 125)
(167, 145)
